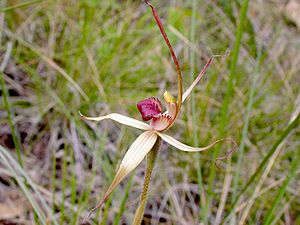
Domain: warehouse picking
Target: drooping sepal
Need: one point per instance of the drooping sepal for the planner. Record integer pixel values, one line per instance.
(149, 107)
(133, 157)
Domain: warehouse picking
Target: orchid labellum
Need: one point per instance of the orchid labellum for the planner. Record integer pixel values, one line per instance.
(151, 110)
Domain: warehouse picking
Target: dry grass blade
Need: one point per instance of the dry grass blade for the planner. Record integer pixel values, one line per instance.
(25, 182)
(267, 170)
(49, 61)
(20, 5)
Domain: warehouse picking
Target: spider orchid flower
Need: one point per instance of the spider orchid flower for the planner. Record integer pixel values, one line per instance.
(151, 110)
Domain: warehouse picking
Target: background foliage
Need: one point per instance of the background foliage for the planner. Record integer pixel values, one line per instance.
(104, 56)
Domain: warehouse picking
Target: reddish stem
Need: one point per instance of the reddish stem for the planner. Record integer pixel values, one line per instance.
(175, 60)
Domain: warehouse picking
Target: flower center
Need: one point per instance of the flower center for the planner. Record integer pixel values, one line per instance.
(151, 109)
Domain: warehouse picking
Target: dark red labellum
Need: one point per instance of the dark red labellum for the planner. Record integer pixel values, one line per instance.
(149, 107)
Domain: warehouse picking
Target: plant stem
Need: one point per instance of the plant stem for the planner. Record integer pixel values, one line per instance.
(151, 157)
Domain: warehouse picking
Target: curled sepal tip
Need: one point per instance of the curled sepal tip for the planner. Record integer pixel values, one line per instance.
(183, 147)
(234, 147)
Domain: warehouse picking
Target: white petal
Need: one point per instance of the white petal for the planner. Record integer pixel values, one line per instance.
(138, 150)
(120, 119)
(133, 157)
(188, 91)
(186, 148)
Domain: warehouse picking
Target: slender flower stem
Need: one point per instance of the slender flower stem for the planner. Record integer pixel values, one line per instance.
(151, 157)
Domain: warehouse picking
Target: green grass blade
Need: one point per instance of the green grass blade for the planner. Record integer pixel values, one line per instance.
(123, 203)
(53, 182)
(73, 179)
(49, 61)
(23, 187)
(284, 134)
(282, 189)
(20, 5)
(106, 210)
(193, 105)
(245, 128)
(228, 96)
(24, 183)
(63, 188)
(246, 124)
(233, 65)
(15, 137)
